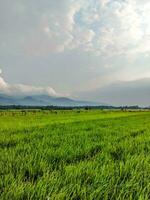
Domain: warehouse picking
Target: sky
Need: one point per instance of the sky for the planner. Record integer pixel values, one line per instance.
(64, 47)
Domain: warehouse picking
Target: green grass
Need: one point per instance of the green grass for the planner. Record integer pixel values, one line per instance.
(74, 155)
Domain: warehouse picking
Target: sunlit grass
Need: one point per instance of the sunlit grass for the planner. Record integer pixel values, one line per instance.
(74, 155)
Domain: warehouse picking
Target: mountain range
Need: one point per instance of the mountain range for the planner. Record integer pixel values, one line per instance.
(43, 100)
(120, 93)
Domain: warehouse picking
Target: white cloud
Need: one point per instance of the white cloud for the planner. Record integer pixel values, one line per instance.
(54, 31)
(3, 84)
(28, 89)
(119, 27)
(21, 89)
(107, 33)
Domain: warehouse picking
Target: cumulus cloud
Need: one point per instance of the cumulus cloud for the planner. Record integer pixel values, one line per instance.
(110, 32)
(114, 27)
(20, 89)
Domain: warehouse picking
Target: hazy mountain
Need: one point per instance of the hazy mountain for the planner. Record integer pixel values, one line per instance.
(122, 93)
(117, 94)
(43, 100)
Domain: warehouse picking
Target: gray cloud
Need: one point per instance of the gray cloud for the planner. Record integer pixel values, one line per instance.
(103, 27)
(121, 93)
(74, 44)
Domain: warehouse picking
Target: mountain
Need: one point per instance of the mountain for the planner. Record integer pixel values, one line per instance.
(42, 100)
(120, 93)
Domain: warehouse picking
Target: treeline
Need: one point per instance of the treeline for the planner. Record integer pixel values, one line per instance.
(18, 107)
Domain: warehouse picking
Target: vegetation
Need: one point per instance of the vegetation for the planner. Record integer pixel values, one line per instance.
(78, 154)
(19, 107)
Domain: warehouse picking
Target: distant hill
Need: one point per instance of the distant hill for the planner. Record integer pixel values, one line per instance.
(43, 100)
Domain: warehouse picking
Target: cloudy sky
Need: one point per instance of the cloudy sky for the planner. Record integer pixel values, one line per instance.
(69, 46)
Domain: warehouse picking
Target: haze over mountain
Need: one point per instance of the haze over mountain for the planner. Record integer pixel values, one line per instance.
(120, 93)
(135, 92)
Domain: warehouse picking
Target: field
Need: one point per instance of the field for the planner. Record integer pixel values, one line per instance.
(63, 155)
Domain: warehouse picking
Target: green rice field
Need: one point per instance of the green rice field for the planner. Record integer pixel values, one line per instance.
(73, 155)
